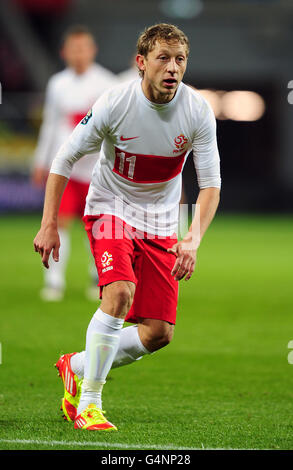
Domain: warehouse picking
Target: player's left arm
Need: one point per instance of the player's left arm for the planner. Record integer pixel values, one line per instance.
(186, 249)
(207, 165)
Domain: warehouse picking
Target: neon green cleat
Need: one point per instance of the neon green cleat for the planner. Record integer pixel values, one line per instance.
(72, 387)
(92, 419)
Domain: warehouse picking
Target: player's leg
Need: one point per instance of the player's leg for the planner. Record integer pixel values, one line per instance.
(154, 313)
(113, 258)
(135, 342)
(155, 334)
(149, 334)
(104, 329)
(102, 341)
(153, 267)
(130, 349)
(156, 331)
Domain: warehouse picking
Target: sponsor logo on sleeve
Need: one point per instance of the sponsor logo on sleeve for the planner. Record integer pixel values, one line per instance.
(86, 119)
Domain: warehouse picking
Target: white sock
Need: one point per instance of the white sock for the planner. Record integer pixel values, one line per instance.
(77, 364)
(130, 349)
(102, 342)
(55, 275)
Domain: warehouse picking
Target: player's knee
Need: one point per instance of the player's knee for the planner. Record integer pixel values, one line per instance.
(123, 297)
(160, 337)
(165, 338)
(117, 298)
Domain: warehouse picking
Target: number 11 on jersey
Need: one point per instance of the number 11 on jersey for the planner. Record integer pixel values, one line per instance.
(131, 160)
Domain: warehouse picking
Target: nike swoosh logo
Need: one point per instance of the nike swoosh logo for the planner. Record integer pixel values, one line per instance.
(128, 138)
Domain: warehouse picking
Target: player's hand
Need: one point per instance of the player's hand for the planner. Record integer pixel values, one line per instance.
(39, 177)
(46, 240)
(185, 253)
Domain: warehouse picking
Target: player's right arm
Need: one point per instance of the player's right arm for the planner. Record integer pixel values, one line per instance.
(47, 239)
(86, 138)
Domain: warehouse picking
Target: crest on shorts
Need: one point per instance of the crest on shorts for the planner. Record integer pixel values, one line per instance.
(180, 143)
(87, 117)
(106, 259)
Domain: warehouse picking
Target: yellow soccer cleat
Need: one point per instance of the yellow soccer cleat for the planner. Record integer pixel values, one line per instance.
(72, 387)
(92, 419)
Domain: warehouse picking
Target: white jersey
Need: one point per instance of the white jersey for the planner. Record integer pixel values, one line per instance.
(143, 149)
(68, 98)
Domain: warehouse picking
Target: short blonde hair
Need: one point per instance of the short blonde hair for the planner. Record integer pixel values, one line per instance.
(160, 32)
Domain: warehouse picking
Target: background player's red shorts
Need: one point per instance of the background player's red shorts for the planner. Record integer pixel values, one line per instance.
(143, 261)
(73, 199)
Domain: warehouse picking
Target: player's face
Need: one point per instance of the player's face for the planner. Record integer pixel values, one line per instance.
(79, 52)
(163, 68)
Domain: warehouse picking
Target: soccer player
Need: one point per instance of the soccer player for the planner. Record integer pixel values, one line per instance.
(69, 95)
(146, 129)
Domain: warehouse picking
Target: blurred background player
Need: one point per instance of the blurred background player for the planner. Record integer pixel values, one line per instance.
(69, 96)
(129, 74)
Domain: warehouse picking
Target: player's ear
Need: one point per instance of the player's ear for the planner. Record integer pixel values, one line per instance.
(140, 61)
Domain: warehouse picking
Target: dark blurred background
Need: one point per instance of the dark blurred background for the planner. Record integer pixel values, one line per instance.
(236, 45)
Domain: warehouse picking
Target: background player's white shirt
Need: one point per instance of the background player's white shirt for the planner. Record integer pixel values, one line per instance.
(144, 147)
(68, 98)
(128, 75)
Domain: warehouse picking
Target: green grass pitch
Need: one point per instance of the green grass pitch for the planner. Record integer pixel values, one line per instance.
(223, 382)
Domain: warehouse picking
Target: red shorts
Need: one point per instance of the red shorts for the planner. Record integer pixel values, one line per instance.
(73, 199)
(131, 256)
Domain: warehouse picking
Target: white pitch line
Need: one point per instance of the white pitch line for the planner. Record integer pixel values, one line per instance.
(116, 444)
(96, 444)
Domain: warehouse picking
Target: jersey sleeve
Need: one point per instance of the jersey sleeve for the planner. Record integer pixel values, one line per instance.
(205, 150)
(43, 154)
(86, 138)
